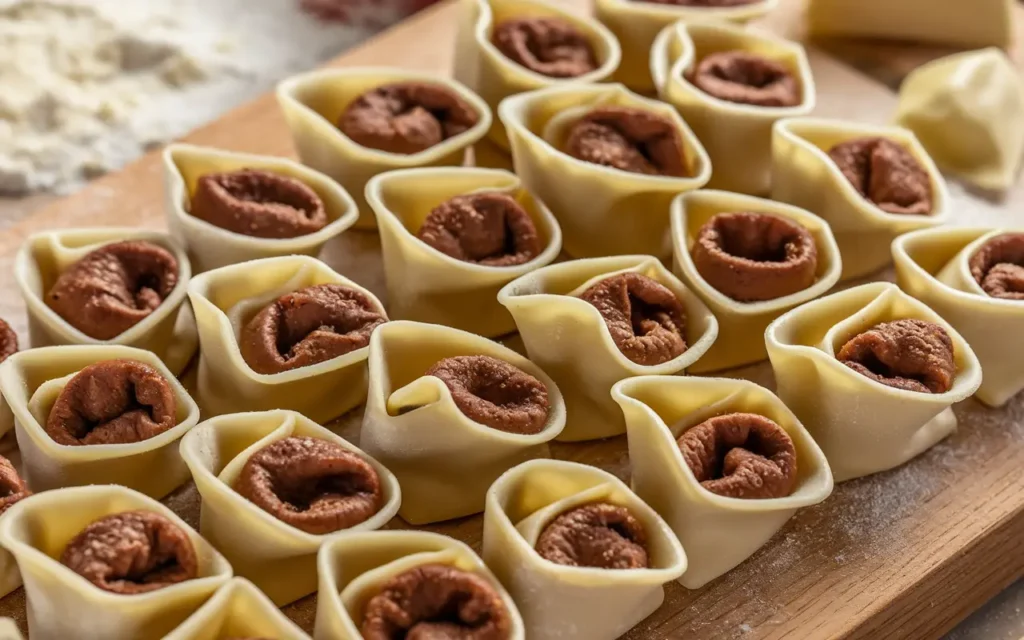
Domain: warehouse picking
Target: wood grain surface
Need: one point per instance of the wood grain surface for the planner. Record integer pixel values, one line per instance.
(903, 554)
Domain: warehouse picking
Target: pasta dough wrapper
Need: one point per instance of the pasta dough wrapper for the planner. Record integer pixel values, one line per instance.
(558, 601)
(567, 337)
(803, 175)
(493, 76)
(210, 246)
(225, 299)
(932, 266)
(32, 380)
(443, 460)
(862, 426)
(63, 604)
(314, 102)
(737, 137)
(278, 558)
(602, 211)
(237, 610)
(969, 24)
(717, 532)
(636, 25)
(426, 285)
(353, 567)
(741, 325)
(8, 629)
(968, 111)
(169, 331)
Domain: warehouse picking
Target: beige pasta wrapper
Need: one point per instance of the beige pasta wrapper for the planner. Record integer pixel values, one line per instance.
(493, 76)
(169, 331)
(426, 285)
(278, 558)
(803, 175)
(737, 137)
(968, 112)
(717, 532)
(976, 23)
(9, 630)
(32, 380)
(602, 211)
(237, 610)
(741, 325)
(444, 460)
(567, 337)
(559, 601)
(314, 102)
(862, 426)
(636, 24)
(224, 300)
(210, 246)
(932, 266)
(63, 604)
(353, 568)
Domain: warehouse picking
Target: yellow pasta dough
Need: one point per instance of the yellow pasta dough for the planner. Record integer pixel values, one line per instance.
(968, 111)
(741, 325)
(559, 601)
(354, 567)
(568, 338)
(602, 211)
(444, 460)
(862, 425)
(169, 331)
(314, 102)
(9, 630)
(63, 604)
(426, 285)
(225, 299)
(32, 380)
(278, 558)
(493, 76)
(803, 175)
(932, 266)
(210, 246)
(717, 532)
(237, 610)
(737, 137)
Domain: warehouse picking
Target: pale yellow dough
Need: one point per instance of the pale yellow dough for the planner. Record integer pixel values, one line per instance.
(968, 111)
(602, 211)
(278, 558)
(717, 532)
(32, 380)
(636, 25)
(354, 567)
(568, 338)
(737, 137)
(9, 630)
(741, 325)
(210, 246)
(237, 610)
(443, 460)
(803, 175)
(225, 300)
(426, 285)
(951, 22)
(314, 102)
(932, 266)
(487, 71)
(559, 601)
(169, 331)
(63, 604)
(862, 426)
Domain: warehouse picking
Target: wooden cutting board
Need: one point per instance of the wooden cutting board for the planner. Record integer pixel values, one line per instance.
(903, 554)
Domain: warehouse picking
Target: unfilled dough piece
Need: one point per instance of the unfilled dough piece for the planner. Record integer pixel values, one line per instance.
(211, 247)
(717, 532)
(237, 610)
(862, 426)
(37, 530)
(426, 285)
